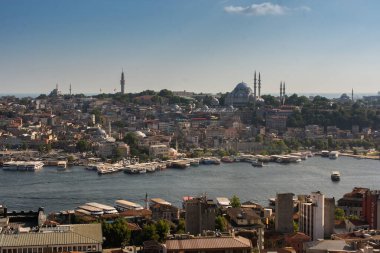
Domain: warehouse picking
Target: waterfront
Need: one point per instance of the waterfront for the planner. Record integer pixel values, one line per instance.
(60, 190)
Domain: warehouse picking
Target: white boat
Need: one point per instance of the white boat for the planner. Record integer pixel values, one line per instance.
(334, 154)
(23, 165)
(335, 175)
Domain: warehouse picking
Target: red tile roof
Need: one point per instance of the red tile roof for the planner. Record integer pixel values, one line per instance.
(209, 243)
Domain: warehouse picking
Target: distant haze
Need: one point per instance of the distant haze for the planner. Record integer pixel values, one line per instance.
(203, 46)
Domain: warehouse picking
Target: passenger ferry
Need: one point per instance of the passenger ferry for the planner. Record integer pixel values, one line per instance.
(333, 154)
(23, 165)
(257, 163)
(335, 176)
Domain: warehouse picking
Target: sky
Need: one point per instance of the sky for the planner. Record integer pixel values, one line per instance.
(194, 45)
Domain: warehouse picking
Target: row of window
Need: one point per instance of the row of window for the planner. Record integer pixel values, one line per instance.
(51, 249)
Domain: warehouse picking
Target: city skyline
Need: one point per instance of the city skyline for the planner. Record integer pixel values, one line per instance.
(201, 46)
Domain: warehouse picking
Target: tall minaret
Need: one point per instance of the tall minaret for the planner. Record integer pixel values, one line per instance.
(254, 86)
(259, 86)
(281, 91)
(70, 89)
(122, 83)
(352, 94)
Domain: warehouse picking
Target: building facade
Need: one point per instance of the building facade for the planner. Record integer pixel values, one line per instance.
(200, 215)
(284, 213)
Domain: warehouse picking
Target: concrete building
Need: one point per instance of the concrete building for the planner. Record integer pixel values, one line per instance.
(329, 217)
(284, 213)
(312, 219)
(200, 215)
(159, 151)
(371, 208)
(296, 241)
(352, 202)
(162, 209)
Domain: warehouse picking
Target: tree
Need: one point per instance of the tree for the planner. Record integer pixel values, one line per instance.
(149, 233)
(116, 233)
(339, 213)
(235, 201)
(162, 228)
(131, 139)
(295, 226)
(83, 146)
(181, 227)
(221, 223)
(165, 93)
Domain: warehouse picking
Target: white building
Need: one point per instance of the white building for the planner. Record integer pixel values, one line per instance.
(311, 221)
(160, 150)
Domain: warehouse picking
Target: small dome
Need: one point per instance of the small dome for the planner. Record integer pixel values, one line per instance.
(140, 134)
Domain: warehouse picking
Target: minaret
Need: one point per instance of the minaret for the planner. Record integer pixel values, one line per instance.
(122, 83)
(259, 86)
(70, 89)
(352, 95)
(254, 85)
(281, 91)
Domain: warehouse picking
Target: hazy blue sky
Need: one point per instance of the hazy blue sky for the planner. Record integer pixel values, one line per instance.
(196, 45)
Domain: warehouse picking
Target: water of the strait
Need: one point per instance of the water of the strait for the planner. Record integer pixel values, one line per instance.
(62, 190)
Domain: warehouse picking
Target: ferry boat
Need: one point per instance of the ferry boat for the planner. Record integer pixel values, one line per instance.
(227, 159)
(325, 153)
(194, 163)
(257, 163)
(335, 176)
(210, 160)
(333, 154)
(23, 165)
(181, 164)
(131, 170)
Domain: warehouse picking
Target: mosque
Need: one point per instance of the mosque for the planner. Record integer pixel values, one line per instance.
(243, 95)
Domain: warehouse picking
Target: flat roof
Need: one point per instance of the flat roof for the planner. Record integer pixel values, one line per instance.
(223, 201)
(127, 203)
(160, 201)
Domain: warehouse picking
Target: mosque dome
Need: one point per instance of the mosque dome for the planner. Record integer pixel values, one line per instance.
(140, 134)
(241, 95)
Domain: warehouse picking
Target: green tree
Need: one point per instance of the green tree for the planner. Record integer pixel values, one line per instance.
(235, 201)
(131, 139)
(339, 213)
(165, 93)
(83, 146)
(295, 226)
(116, 233)
(181, 227)
(221, 223)
(149, 233)
(162, 228)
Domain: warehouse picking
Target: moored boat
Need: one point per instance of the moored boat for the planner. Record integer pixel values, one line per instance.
(335, 176)
(257, 163)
